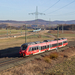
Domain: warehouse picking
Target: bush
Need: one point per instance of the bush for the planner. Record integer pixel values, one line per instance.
(47, 59)
(54, 55)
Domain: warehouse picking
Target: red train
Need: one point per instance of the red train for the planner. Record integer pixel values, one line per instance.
(32, 48)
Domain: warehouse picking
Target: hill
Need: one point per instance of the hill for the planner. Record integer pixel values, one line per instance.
(38, 21)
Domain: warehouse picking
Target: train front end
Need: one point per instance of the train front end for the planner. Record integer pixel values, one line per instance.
(23, 49)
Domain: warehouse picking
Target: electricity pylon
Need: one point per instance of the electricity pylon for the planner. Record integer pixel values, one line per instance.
(36, 13)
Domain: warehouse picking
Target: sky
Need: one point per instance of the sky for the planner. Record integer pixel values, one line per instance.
(19, 10)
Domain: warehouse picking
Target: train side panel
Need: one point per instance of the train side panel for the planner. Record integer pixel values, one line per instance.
(42, 47)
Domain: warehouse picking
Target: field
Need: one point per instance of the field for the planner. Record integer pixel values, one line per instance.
(42, 66)
(39, 36)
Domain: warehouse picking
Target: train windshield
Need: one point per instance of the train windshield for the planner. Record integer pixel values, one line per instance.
(24, 47)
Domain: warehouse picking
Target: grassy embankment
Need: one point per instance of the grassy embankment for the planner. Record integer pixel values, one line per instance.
(62, 63)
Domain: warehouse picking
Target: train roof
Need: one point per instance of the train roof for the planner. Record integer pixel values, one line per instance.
(60, 39)
(46, 41)
(38, 42)
(31, 43)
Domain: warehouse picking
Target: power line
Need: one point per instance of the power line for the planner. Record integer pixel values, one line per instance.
(63, 7)
(69, 13)
(52, 6)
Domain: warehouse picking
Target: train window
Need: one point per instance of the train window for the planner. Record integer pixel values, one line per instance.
(44, 47)
(60, 43)
(30, 49)
(37, 48)
(53, 45)
(34, 48)
(47, 46)
(24, 47)
(41, 48)
(65, 42)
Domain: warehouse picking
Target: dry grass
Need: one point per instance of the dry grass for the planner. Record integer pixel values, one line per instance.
(53, 55)
(47, 59)
(47, 66)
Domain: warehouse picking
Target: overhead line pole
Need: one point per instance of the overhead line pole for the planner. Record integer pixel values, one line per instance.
(7, 31)
(25, 33)
(10, 30)
(62, 28)
(57, 36)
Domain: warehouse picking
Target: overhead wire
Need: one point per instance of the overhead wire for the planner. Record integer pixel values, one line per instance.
(51, 6)
(62, 7)
(69, 13)
(65, 14)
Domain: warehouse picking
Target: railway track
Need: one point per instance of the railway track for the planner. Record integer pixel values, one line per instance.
(6, 63)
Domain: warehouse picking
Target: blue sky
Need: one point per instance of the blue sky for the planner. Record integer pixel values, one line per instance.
(62, 10)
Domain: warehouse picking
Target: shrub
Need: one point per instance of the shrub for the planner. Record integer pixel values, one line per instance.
(54, 55)
(47, 59)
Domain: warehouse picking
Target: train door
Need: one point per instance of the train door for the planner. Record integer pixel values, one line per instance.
(39, 48)
(50, 46)
(62, 43)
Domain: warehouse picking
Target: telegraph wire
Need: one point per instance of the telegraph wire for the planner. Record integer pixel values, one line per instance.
(68, 13)
(62, 7)
(64, 14)
(52, 5)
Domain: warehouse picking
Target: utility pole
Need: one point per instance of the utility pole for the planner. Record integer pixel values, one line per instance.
(57, 36)
(25, 33)
(36, 13)
(72, 27)
(21, 30)
(10, 31)
(49, 24)
(7, 31)
(62, 28)
(49, 21)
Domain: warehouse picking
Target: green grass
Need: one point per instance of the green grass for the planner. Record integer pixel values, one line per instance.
(13, 31)
(62, 35)
(67, 35)
(11, 42)
(3, 31)
(33, 36)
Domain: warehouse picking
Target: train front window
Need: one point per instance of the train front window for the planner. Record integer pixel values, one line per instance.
(24, 47)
